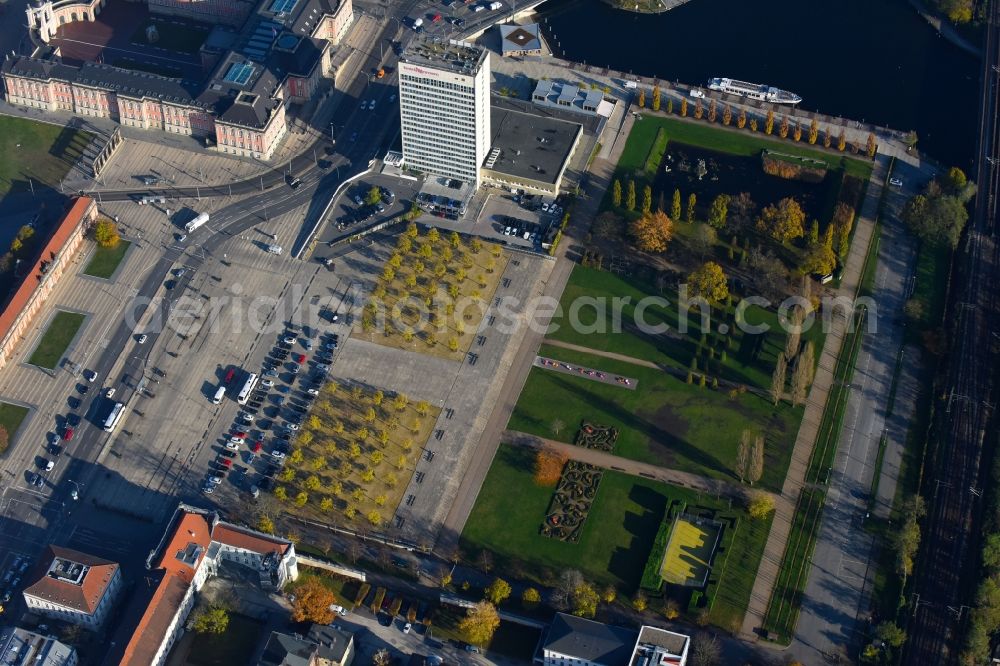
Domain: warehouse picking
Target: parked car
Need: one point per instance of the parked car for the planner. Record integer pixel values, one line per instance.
(142, 339)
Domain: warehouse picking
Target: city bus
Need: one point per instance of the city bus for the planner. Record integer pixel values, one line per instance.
(114, 417)
(247, 389)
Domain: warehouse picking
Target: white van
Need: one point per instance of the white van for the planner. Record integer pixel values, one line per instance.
(220, 393)
(274, 249)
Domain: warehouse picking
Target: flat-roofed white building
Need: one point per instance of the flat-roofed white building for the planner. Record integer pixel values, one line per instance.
(444, 108)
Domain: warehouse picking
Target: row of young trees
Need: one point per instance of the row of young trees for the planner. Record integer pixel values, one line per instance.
(800, 358)
(786, 127)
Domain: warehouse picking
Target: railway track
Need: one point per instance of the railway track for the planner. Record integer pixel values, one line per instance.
(945, 577)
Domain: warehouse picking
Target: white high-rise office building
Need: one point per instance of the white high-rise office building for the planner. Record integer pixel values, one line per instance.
(444, 108)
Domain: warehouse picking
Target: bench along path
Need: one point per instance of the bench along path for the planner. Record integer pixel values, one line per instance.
(592, 374)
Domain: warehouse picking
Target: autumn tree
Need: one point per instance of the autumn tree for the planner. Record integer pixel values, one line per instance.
(813, 132)
(549, 464)
(761, 505)
(841, 141)
(769, 123)
(727, 115)
(480, 623)
(656, 98)
(871, 147)
(530, 597)
(105, 233)
(497, 591)
(907, 538)
(616, 193)
(642, 99)
(630, 197)
(652, 232)
(647, 200)
(684, 107)
(699, 110)
(784, 221)
(778, 379)
(692, 202)
(936, 218)
(719, 210)
(312, 602)
(821, 258)
(755, 469)
(712, 111)
(753, 124)
(584, 600)
(783, 127)
(210, 620)
(675, 205)
(741, 120)
(708, 281)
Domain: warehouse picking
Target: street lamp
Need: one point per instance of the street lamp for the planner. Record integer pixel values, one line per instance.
(75, 492)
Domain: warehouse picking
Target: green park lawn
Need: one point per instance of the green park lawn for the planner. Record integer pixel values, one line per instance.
(728, 140)
(11, 417)
(750, 358)
(105, 261)
(56, 339)
(664, 421)
(39, 151)
(616, 539)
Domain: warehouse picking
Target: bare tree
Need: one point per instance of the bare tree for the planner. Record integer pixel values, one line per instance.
(794, 339)
(778, 379)
(743, 455)
(769, 274)
(705, 650)
(569, 581)
(486, 560)
(803, 375)
(756, 468)
(353, 551)
(557, 427)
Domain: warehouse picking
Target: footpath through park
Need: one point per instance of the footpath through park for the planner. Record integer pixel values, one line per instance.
(605, 460)
(777, 539)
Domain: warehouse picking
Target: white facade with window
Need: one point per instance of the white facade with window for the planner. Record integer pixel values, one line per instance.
(445, 117)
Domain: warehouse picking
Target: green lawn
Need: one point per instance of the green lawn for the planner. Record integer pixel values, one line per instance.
(750, 358)
(734, 141)
(235, 646)
(11, 417)
(665, 421)
(105, 261)
(172, 37)
(617, 537)
(39, 151)
(931, 283)
(61, 331)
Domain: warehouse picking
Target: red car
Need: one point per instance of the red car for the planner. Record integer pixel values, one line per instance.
(300, 359)
(240, 435)
(436, 19)
(257, 446)
(67, 434)
(230, 375)
(226, 462)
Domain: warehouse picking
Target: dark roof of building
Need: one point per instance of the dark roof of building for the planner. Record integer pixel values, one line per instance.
(333, 642)
(531, 146)
(72, 579)
(285, 650)
(125, 82)
(517, 38)
(589, 640)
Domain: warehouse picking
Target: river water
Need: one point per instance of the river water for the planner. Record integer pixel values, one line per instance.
(873, 60)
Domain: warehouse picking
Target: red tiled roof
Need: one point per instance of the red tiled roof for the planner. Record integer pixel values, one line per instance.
(84, 597)
(233, 536)
(76, 212)
(190, 539)
(158, 607)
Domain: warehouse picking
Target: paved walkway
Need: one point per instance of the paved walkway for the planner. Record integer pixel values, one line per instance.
(770, 563)
(601, 174)
(606, 460)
